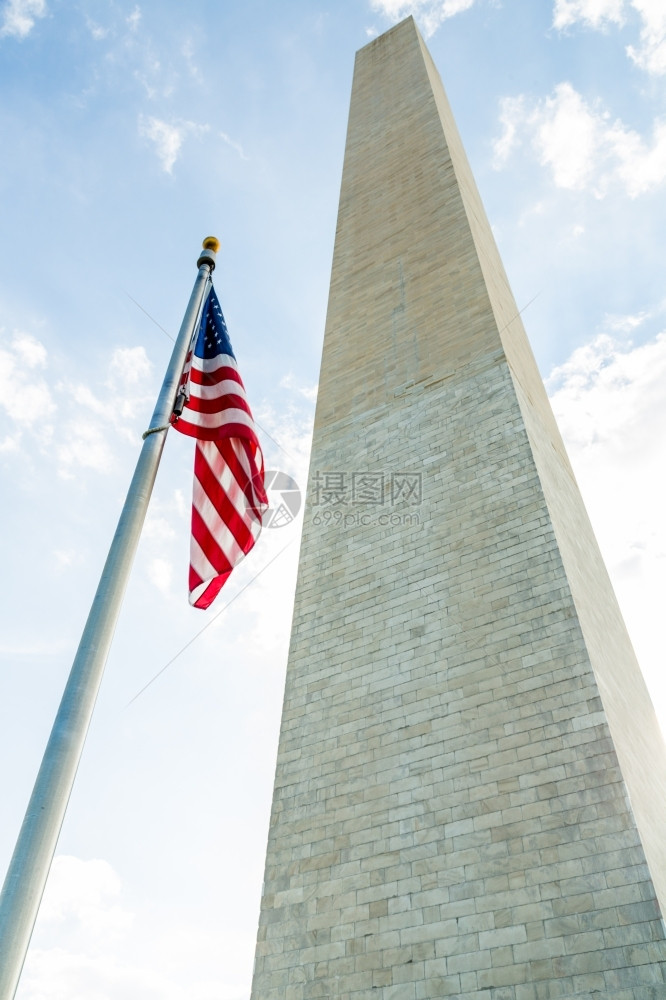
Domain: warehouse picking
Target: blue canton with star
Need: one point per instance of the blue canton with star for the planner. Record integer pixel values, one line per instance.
(213, 338)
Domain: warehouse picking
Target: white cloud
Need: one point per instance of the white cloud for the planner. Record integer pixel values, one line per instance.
(86, 892)
(182, 506)
(177, 971)
(430, 13)
(28, 404)
(308, 392)
(650, 53)
(168, 138)
(595, 13)
(19, 16)
(97, 31)
(288, 447)
(582, 146)
(130, 365)
(11, 443)
(80, 947)
(160, 574)
(191, 60)
(640, 167)
(569, 137)
(87, 418)
(133, 20)
(30, 352)
(66, 557)
(625, 323)
(84, 445)
(234, 145)
(96, 412)
(83, 396)
(610, 404)
(512, 116)
(605, 386)
(26, 397)
(165, 531)
(269, 605)
(158, 527)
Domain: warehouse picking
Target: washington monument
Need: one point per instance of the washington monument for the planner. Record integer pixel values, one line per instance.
(470, 797)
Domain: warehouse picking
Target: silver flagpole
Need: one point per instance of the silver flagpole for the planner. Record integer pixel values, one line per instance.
(35, 847)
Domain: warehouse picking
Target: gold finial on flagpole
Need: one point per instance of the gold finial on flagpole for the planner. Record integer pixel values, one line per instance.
(207, 256)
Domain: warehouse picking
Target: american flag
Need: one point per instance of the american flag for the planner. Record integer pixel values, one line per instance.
(229, 497)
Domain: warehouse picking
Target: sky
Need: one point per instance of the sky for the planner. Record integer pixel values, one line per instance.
(129, 132)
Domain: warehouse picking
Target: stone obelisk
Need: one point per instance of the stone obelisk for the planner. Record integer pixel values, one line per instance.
(470, 797)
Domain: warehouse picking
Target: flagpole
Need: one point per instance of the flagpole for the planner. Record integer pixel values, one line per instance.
(35, 847)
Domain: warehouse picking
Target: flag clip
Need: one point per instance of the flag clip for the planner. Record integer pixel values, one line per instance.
(179, 405)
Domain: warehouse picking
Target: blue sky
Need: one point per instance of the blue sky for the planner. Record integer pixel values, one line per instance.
(130, 132)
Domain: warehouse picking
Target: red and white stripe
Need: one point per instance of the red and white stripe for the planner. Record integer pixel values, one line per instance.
(229, 496)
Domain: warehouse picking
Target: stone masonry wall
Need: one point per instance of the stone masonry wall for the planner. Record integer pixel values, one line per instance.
(449, 816)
